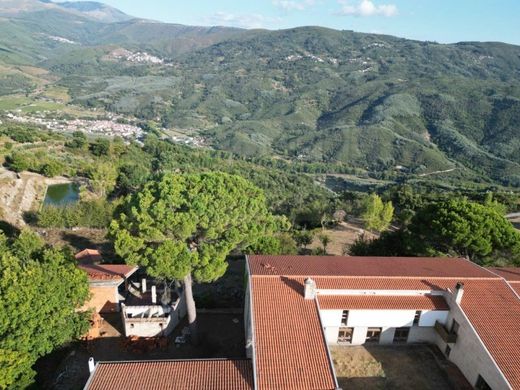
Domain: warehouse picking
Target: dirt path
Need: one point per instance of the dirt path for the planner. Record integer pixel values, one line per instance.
(22, 192)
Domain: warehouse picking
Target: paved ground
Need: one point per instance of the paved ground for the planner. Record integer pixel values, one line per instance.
(221, 336)
(395, 368)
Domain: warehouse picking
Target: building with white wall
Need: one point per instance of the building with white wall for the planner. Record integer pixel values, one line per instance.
(472, 314)
(297, 306)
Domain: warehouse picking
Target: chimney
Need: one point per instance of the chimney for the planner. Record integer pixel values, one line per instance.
(309, 289)
(143, 285)
(459, 291)
(154, 295)
(91, 365)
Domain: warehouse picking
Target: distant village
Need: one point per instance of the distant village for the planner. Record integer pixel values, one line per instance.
(111, 126)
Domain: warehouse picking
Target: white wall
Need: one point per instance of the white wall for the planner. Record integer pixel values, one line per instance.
(331, 334)
(470, 355)
(331, 317)
(248, 324)
(360, 335)
(360, 320)
(382, 318)
(422, 334)
(428, 317)
(387, 336)
(162, 324)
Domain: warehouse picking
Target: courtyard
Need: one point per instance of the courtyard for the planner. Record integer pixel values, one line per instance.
(374, 367)
(221, 336)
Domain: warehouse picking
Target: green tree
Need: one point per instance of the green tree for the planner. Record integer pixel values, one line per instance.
(41, 291)
(16, 369)
(303, 238)
(455, 227)
(100, 147)
(19, 162)
(276, 244)
(377, 215)
(131, 177)
(78, 141)
(52, 168)
(182, 227)
(103, 177)
(463, 228)
(324, 240)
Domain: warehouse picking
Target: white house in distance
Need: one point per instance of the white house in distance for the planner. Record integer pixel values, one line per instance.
(296, 306)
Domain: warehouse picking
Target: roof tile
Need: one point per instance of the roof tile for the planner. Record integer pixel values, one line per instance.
(419, 267)
(382, 302)
(290, 347)
(102, 272)
(489, 302)
(173, 374)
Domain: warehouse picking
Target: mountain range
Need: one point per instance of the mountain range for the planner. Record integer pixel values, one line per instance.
(377, 103)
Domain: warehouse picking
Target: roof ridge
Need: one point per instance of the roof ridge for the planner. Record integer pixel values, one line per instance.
(375, 277)
(172, 360)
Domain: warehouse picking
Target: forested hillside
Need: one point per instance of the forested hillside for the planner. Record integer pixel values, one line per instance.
(380, 104)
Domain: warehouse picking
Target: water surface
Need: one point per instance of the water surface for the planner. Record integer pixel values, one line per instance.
(61, 194)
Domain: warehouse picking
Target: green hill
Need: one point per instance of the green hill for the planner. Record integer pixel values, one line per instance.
(378, 103)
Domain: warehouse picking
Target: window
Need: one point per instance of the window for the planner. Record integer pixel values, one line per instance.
(401, 335)
(417, 318)
(447, 351)
(344, 317)
(373, 335)
(482, 384)
(454, 327)
(345, 335)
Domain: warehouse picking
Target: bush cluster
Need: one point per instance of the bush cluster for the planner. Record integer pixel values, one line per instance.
(91, 214)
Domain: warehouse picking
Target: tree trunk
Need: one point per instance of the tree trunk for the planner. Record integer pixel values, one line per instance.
(191, 309)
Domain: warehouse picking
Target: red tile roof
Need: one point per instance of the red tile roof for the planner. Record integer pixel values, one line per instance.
(511, 274)
(104, 272)
(290, 347)
(381, 283)
(382, 302)
(89, 256)
(366, 266)
(516, 287)
(494, 311)
(173, 374)
(488, 301)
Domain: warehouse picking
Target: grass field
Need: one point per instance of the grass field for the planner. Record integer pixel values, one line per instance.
(31, 105)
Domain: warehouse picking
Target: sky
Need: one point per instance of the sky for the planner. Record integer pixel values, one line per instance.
(444, 21)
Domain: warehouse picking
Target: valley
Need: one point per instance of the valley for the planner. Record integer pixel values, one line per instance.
(383, 106)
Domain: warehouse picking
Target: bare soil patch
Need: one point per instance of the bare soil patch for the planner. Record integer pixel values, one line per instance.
(78, 239)
(341, 236)
(23, 192)
(395, 367)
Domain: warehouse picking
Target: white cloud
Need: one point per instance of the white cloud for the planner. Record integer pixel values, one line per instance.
(241, 20)
(294, 5)
(367, 8)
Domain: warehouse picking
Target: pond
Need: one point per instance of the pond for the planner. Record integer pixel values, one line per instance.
(61, 194)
